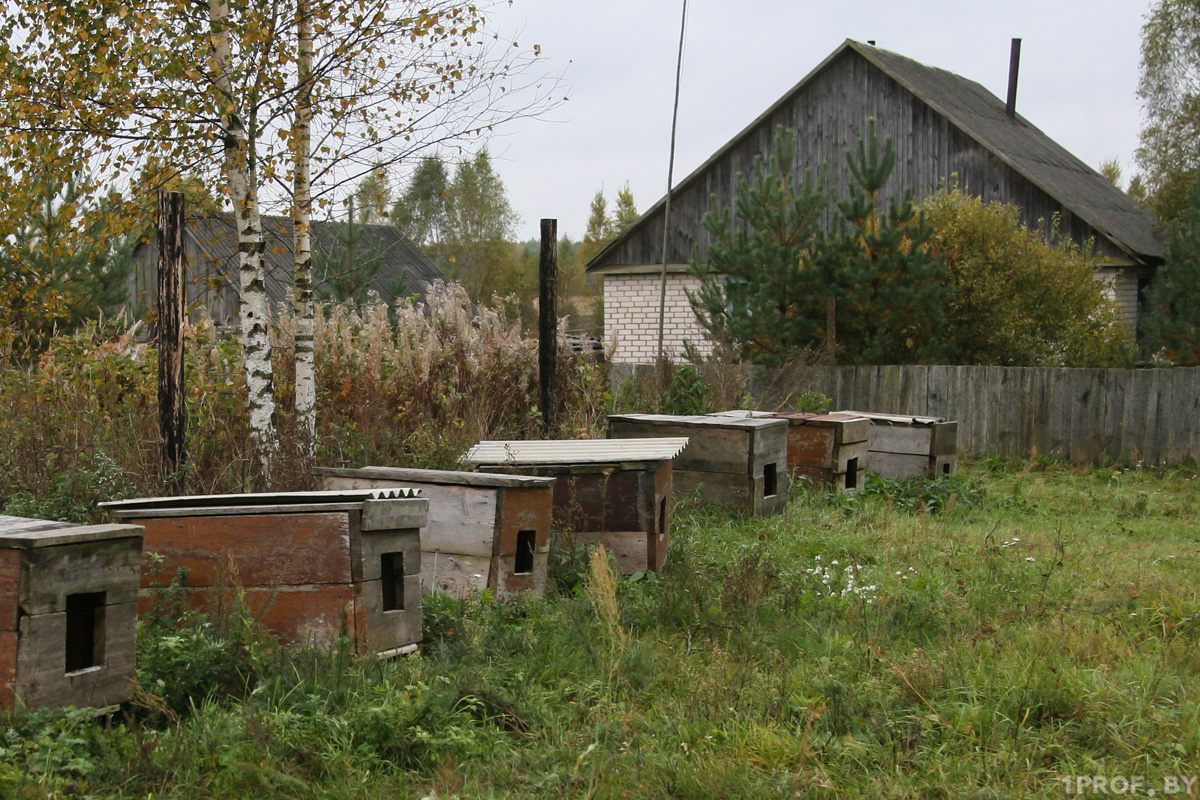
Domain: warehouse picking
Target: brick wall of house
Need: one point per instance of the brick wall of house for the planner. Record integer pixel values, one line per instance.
(631, 317)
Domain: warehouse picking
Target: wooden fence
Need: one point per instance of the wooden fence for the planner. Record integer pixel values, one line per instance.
(1150, 416)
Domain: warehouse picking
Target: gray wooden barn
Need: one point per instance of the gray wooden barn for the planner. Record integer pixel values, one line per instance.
(394, 268)
(947, 129)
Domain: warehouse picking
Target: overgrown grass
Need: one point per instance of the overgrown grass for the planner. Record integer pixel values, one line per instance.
(405, 387)
(1041, 624)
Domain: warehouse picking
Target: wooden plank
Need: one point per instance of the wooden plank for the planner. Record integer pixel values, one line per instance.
(42, 680)
(508, 582)
(50, 574)
(715, 488)
(378, 630)
(606, 502)
(897, 465)
(10, 588)
(397, 514)
(902, 439)
(709, 449)
(848, 452)
(335, 478)
(852, 431)
(33, 534)
(455, 574)
(375, 544)
(769, 504)
(8, 669)
(808, 446)
(254, 549)
(462, 519)
(526, 510)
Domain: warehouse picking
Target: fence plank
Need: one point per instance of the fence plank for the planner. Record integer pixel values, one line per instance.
(1084, 415)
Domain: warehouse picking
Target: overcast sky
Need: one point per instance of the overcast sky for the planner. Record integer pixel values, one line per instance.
(1079, 71)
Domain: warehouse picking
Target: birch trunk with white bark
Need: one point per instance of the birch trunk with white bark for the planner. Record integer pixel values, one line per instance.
(256, 343)
(302, 294)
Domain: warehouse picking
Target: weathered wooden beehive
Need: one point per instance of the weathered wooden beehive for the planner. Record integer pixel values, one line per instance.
(68, 613)
(312, 566)
(483, 531)
(827, 449)
(903, 445)
(618, 494)
(741, 463)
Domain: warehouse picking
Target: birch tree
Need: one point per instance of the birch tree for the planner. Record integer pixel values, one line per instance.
(213, 90)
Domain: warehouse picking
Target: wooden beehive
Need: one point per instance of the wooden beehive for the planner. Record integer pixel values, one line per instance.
(903, 445)
(68, 613)
(313, 566)
(740, 463)
(616, 494)
(483, 531)
(827, 449)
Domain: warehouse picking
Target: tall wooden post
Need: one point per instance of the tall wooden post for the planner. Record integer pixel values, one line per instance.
(172, 411)
(548, 325)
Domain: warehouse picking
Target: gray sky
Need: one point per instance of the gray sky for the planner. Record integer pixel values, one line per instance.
(1079, 71)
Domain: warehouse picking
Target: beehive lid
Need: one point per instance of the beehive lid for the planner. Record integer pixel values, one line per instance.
(24, 533)
(702, 420)
(797, 417)
(256, 503)
(576, 451)
(896, 419)
(440, 477)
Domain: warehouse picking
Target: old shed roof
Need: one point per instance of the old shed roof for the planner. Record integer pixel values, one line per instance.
(966, 106)
(212, 250)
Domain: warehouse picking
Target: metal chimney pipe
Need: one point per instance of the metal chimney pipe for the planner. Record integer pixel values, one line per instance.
(1014, 67)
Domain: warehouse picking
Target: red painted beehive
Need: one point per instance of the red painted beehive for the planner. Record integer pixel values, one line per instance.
(313, 566)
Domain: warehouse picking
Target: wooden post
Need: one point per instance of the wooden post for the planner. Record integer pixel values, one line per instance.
(172, 411)
(548, 325)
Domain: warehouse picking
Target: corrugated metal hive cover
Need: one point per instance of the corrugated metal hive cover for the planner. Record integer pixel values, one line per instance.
(576, 451)
(263, 499)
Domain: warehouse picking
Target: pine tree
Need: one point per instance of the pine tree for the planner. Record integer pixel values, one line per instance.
(344, 272)
(626, 213)
(599, 228)
(760, 287)
(890, 292)
(1174, 298)
(421, 213)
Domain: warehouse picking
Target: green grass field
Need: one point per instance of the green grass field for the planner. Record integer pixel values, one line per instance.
(988, 636)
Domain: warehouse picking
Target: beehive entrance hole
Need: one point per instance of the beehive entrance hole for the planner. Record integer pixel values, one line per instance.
(770, 481)
(526, 541)
(391, 572)
(85, 630)
(852, 473)
(662, 516)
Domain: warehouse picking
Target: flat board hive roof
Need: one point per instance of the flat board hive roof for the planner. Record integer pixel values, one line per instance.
(896, 419)
(24, 533)
(439, 476)
(576, 451)
(710, 421)
(259, 502)
(795, 417)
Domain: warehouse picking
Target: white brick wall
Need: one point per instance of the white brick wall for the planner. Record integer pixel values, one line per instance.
(631, 317)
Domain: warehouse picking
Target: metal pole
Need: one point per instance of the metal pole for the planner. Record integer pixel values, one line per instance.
(662, 288)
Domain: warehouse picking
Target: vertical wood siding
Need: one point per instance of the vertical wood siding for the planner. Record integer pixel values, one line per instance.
(829, 115)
